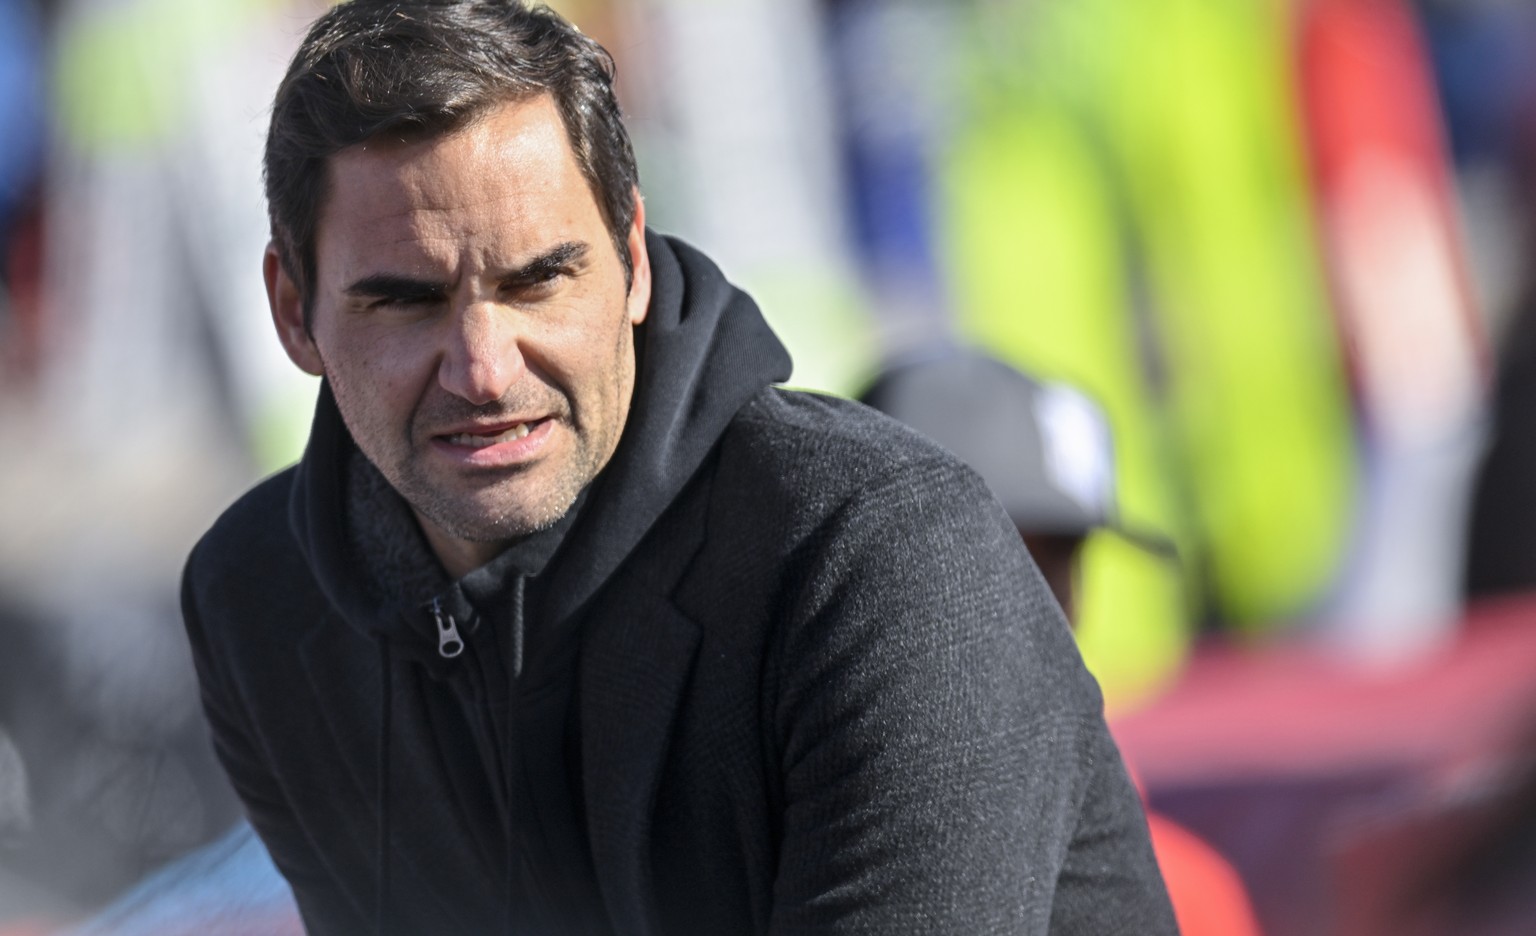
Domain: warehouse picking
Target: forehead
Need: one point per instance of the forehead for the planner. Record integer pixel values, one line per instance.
(509, 177)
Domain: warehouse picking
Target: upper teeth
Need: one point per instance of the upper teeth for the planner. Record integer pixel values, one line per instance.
(481, 441)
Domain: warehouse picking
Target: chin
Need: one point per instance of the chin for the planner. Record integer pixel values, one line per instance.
(493, 522)
(492, 511)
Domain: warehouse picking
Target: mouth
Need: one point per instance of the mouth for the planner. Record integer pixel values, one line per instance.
(492, 435)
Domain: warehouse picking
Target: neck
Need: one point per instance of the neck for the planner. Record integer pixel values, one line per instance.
(459, 557)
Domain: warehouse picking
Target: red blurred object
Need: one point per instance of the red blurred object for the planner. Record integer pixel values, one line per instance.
(1208, 895)
(1392, 243)
(1303, 708)
(1333, 788)
(21, 336)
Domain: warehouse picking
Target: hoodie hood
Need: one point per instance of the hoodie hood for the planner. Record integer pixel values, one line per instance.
(703, 351)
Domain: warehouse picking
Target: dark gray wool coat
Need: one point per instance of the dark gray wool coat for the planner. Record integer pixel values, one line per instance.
(816, 684)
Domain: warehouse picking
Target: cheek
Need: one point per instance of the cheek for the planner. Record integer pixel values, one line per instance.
(594, 368)
(381, 377)
(618, 380)
(579, 345)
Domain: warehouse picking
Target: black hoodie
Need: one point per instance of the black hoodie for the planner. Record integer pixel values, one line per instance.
(785, 668)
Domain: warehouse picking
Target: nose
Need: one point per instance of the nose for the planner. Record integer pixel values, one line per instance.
(482, 357)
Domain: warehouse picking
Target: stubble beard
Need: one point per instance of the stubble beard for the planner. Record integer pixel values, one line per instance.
(501, 504)
(458, 514)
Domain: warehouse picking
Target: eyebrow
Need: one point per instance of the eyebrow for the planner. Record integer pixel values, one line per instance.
(548, 263)
(396, 287)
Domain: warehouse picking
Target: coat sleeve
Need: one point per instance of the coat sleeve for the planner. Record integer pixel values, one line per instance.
(321, 904)
(944, 760)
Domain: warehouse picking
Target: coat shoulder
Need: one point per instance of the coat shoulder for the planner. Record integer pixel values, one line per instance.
(247, 551)
(822, 484)
(795, 442)
(254, 524)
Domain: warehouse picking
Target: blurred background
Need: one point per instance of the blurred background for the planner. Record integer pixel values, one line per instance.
(1286, 245)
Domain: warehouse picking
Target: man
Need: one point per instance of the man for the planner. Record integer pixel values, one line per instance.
(1044, 450)
(569, 621)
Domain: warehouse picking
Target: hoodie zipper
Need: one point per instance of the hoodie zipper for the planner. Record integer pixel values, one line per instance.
(449, 643)
(517, 857)
(537, 895)
(505, 749)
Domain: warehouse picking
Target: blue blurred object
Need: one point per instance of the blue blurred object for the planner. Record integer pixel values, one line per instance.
(21, 119)
(890, 60)
(229, 887)
(1482, 56)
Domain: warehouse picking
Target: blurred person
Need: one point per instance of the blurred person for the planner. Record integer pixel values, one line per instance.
(1045, 451)
(1500, 556)
(124, 301)
(157, 124)
(1389, 233)
(569, 620)
(764, 193)
(1108, 203)
(108, 772)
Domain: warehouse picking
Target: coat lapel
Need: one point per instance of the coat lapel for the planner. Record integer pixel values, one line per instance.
(634, 670)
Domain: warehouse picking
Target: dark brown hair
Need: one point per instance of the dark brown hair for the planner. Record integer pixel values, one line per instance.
(422, 68)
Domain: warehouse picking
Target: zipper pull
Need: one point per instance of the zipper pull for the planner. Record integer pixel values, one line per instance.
(449, 644)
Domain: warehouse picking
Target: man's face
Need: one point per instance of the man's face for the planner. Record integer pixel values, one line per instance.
(471, 317)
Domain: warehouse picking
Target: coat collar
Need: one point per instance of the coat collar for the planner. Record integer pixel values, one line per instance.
(637, 659)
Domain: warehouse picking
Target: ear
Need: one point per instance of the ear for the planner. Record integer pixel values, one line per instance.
(640, 262)
(287, 305)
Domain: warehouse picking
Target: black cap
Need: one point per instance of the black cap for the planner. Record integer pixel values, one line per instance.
(1044, 449)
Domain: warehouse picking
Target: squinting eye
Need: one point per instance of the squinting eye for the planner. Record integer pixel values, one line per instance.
(401, 302)
(536, 280)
